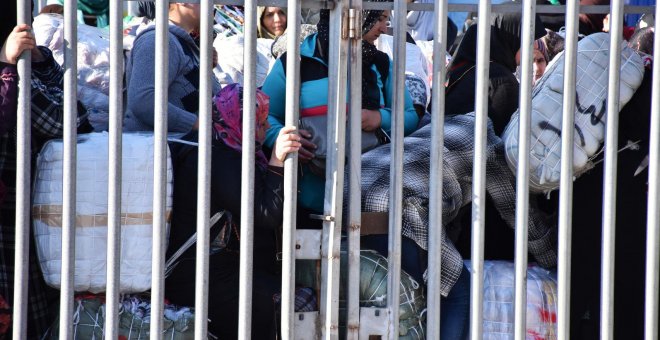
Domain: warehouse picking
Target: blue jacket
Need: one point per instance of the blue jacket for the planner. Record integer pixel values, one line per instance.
(314, 101)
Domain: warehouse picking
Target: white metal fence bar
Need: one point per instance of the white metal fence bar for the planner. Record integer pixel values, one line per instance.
(114, 170)
(522, 175)
(610, 174)
(160, 170)
(334, 173)
(247, 167)
(479, 171)
(396, 166)
(434, 278)
(204, 171)
(355, 176)
(566, 181)
(653, 227)
(292, 116)
(23, 168)
(69, 168)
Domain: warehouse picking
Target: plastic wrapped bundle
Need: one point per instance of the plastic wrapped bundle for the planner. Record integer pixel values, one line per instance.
(134, 319)
(93, 57)
(373, 293)
(92, 212)
(590, 110)
(499, 295)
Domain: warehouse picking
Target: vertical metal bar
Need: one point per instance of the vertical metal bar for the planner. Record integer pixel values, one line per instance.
(69, 168)
(653, 227)
(396, 167)
(23, 165)
(434, 281)
(160, 169)
(204, 172)
(609, 180)
(479, 171)
(247, 182)
(114, 170)
(522, 178)
(334, 174)
(566, 181)
(290, 172)
(40, 5)
(355, 179)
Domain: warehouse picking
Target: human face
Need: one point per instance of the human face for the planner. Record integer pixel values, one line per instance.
(274, 20)
(378, 28)
(186, 16)
(539, 64)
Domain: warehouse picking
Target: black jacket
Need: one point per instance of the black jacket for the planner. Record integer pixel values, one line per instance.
(503, 87)
(225, 195)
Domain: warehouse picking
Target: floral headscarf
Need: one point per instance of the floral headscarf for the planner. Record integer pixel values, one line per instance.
(228, 119)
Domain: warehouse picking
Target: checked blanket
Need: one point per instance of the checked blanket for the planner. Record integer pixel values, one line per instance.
(457, 190)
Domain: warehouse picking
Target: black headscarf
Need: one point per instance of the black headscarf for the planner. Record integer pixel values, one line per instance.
(371, 93)
(505, 40)
(146, 9)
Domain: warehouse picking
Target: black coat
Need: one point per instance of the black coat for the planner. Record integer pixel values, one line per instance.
(224, 266)
(630, 245)
(503, 87)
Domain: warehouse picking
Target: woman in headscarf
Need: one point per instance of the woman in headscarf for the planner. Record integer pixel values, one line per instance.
(272, 22)
(225, 196)
(503, 87)
(47, 111)
(377, 88)
(540, 60)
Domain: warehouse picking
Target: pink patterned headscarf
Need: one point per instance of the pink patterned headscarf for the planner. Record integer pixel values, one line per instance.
(228, 119)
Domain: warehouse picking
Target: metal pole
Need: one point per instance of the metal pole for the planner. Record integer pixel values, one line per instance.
(396, 167)
(69, 168)
(479, 171)
(23, 170)
(434, 281)
(290, 172)
(522, 177)
(653, 227)
(247, 182)
(160, 169)
(114, 170)
(204, 172)
(355, 180)
(334, 175)
(566, 181)
(610, 176)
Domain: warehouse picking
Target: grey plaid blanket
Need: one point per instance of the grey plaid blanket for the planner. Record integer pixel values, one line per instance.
(457, 190)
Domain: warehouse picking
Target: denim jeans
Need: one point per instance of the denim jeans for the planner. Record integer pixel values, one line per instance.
(455, 308)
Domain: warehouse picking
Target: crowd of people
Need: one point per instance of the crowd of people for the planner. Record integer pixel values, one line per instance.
(275, 141)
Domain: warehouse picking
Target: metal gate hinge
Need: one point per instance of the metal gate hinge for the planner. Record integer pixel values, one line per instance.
(351, 27)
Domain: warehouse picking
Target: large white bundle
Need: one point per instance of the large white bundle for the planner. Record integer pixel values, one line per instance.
(92, 212)
(416, 61)
(93, 57)
(230, 51)
(590, 112)
(499, 295)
